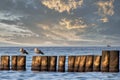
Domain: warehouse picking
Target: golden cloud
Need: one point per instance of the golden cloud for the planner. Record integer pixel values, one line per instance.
(73, 24)
(106, 8)
(56, 32)
(104, 19)
(62, 5)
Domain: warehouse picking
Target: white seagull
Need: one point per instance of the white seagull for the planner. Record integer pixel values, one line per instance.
(37, 51)
(23, 51)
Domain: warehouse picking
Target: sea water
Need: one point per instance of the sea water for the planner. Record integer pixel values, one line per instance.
(56, 51)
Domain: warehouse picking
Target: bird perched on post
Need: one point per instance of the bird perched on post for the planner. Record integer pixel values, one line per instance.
(37, 51)
(23, 51)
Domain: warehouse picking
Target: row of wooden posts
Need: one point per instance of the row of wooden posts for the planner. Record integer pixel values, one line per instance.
(108, 62)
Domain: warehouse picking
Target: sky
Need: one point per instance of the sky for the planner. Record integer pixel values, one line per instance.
(59, 22)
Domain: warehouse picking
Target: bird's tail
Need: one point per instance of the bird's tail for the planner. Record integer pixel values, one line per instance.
(42, 53)
(26, 52)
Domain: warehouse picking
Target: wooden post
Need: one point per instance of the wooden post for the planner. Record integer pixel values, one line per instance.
(96, 63)
(89, 63)
(52, 63)
(14, 63)
(21, 62)
(114, 61)
(71, 61)
(5, 63)
(36, 63)
(61, 64)
(44, 63)
(76, 65)
(82, 64)
(105, 61)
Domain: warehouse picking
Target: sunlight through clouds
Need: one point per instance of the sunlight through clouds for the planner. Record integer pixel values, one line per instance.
(50, 22)
(58, 33)
(105, 8)
(73, 24)
(62, 5)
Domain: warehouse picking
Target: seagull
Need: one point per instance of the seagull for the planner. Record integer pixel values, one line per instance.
(37, 51)
(23, 51)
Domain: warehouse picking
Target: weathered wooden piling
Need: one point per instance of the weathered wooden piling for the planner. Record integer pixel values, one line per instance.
(114, 61)
(89, 63)
(76, 64)
(14, 63)
(36, 63)
(105, 61)
(108, 62)
(52, 63)
(44, 63)
(71, 61)
(21, 62)
(5, 63)
(96, 63)
(61, 63)
(82, 64)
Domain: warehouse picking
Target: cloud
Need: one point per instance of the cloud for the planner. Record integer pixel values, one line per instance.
(4, 42)
(11, 32)
(63, 31)
(56, 32)
(73, 24)
(59, 22)
(62, 5)
(105, 8)
(4, 15)
(11, 26)
(104, 19)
